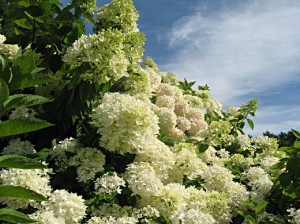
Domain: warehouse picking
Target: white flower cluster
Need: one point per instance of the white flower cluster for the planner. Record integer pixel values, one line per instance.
(61, 208)
(37, 180)
(22, 112)
(105, 54)
(113, 213)
(9, 50)
(294, 215)
(19, 147)
(109, 183)
(260, 182)
(119, 13)
(125, 123)
(89, 162)
(60, 151)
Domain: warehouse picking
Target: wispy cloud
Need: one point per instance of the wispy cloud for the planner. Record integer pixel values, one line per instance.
(250, 49)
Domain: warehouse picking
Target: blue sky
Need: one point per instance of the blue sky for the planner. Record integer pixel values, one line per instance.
(243, 49)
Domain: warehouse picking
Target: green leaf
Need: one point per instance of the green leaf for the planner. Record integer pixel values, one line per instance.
(4, 91)
(21, 125)
(203, 148)
(20, 192)
(251, 124)
(296, 133)
(12, 216)
(167, 220)
(24, 100)
(285, 179)
(20, 162)
(260, 207)
(287, 149)
(280, 165)
(34, 11)
(23, 23)
(247, 215)
(297, 144)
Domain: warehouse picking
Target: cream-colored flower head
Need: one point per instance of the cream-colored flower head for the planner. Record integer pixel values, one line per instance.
(126, 124)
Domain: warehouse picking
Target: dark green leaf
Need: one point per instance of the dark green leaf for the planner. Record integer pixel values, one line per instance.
(251, 124)
(247, 215)
(20, 162)
(285, 179)
(4, 91)
(12, 216)
(260, 207)
(34, 11)
(293, 165)
(280, 165)
(24, 100)
(30, 80)
(20, 192)
(21, 125)
(203, 148)
(2, 62)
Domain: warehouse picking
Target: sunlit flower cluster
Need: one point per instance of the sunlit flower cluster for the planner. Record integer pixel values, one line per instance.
(125, 123)
(105, 54)
(67, 205)
(109, 183)
(259, 181)
(120, 14)
(37, 180)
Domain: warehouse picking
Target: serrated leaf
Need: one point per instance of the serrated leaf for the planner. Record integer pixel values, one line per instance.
(260, 207)
(24, 100)
(20, 192)
(296, 133)
(279, 165)
(251, 124)
(21, 125)
(4, 91)
(12, 216)
(20, 162)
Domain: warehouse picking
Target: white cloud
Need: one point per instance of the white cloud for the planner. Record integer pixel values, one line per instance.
(270, 118)
(246, 50)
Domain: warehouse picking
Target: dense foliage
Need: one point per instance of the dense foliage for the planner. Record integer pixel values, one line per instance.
(92, 132)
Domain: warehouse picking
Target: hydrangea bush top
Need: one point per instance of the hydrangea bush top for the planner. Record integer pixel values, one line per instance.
(93, 133)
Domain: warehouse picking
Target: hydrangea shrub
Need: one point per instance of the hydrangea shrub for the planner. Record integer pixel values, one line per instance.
(91, 132)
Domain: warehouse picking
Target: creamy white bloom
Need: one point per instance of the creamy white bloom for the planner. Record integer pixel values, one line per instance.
(89, 162)
(45, 216)
(37, 180)
(67, 205)
(142, 179)
(294, 215)
(159, 155)
(126, 124)
(109, 183)
(259, 181)
(19, 147)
